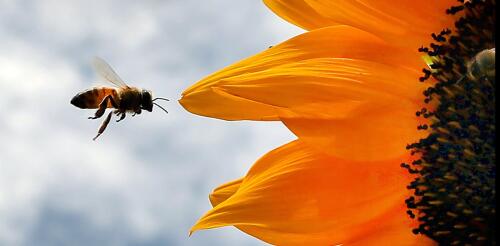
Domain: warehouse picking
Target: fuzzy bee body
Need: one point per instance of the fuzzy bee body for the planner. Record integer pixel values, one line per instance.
(123, 99)
(131, 99)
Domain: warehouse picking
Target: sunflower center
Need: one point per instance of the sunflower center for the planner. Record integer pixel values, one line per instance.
(454, 187)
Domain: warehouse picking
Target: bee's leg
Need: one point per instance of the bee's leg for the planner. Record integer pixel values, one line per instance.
(122, 116)
(103, 126)
(102, 107)
(137, 111)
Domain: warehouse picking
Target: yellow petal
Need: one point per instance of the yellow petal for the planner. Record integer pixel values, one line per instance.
(299, 13)
(295, 195)
(210, 98)
(224, 191)
(328, 87)
(213, 102)
(406, 22)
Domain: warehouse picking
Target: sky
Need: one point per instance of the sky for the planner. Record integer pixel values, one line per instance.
(146, 180)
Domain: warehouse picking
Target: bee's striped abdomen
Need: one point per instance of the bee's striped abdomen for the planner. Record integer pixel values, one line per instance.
(91, 98)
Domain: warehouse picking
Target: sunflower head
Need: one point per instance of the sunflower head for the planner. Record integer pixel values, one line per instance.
(348, 89)
(454, 189)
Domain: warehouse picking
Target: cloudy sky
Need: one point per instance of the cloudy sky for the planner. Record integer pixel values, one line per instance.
(146, 180)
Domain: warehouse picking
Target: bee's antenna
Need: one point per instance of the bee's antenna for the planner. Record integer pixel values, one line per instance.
(161, 107)
(160, 98)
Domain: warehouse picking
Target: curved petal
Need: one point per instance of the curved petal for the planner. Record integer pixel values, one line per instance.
(213, 102)
(295, 195)
(406, 22)
(299, 13)
(327, 87)
(331, 42)
(224, 191)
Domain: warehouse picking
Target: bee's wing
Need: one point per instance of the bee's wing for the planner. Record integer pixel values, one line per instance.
(106, 71)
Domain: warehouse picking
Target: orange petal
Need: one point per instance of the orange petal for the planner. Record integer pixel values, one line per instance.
(406, 22)
(213, 102)
(370, 132)
(299, 13)
(331, 42)
(224, 191)
(295, 195)
(328, 87)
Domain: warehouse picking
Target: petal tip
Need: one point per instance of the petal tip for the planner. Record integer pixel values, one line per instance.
(184, 103)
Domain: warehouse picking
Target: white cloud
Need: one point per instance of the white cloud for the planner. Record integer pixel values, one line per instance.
(146, 180)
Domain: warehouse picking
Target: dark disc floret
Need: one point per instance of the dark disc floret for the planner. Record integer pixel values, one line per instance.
(454, 187)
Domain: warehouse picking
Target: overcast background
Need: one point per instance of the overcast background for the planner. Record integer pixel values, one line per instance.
(146, 180)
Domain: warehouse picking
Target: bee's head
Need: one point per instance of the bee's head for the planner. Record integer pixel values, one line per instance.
(146, 100)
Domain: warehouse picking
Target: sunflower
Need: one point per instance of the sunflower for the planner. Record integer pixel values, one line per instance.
(394, 115)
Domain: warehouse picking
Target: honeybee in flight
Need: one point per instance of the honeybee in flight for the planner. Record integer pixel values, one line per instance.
(123, 98)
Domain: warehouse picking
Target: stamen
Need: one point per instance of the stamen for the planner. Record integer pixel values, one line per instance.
(454, 186)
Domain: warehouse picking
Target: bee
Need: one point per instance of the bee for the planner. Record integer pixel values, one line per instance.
(483, 64)
(124, 99)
